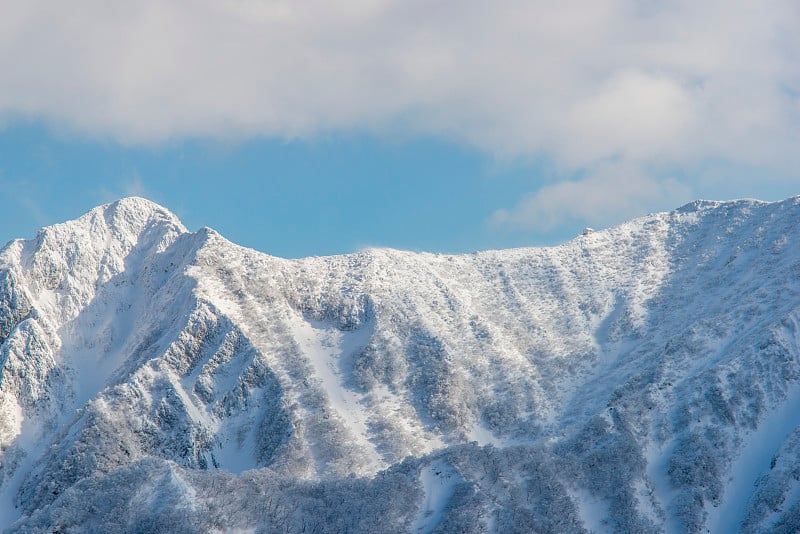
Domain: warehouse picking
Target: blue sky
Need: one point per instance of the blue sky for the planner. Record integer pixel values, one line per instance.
(324, 196)
(305, 128)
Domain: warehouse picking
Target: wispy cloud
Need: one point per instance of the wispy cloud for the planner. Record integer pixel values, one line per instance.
(130, 186)
(648, 84)
(610, 193)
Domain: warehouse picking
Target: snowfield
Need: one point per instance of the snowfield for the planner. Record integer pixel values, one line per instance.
(643, 378)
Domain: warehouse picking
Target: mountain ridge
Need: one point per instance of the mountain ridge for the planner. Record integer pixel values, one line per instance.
(638, 360)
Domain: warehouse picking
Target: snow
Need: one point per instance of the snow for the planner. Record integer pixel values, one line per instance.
(375, 357)
(483, 436)
(325, 347)
(657, 458)
(756, 455)
(30, 442)
(593, 512)
(11, 418)
(438, 481)
(792, 495)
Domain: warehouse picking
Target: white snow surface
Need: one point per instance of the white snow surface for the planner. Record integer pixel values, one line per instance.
(753, 460)
(643, 378)
(326, 347)
(438, 480)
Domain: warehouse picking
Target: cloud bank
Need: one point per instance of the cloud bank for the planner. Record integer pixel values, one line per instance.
(614, 92)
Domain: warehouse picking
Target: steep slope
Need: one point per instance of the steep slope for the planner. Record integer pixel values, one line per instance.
(641, 378)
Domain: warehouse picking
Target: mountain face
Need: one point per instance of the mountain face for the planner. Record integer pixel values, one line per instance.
(644, 378)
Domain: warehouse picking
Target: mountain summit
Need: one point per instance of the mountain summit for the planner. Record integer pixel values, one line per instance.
(643, 378)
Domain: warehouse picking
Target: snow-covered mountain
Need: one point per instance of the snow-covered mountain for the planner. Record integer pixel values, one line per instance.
(644, 378)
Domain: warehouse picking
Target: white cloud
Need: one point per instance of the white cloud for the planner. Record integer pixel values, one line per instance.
(611, 193)
(650, 83)
(127, 186)
(632, 114)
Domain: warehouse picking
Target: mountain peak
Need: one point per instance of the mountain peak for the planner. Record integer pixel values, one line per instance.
(137, 203)
(703, 205)
(642, 378)
(134, 214)
(82, 253)
(116, 227)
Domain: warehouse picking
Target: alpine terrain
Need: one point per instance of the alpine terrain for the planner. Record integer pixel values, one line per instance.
(644, 378)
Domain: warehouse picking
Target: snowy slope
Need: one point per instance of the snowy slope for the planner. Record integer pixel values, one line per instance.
(641, 378)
